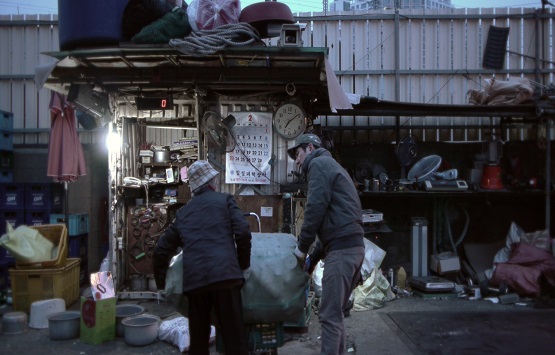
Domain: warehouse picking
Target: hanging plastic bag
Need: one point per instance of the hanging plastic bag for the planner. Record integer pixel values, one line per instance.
(102, 285)
(373, 257)
(209, 14)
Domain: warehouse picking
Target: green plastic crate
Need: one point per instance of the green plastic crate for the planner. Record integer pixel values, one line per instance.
(261, 336)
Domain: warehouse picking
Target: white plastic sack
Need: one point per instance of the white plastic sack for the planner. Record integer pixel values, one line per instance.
(373, 258)
(210, 14)
(27, 244)
(176, 331)
(501, 92)
(372, 293)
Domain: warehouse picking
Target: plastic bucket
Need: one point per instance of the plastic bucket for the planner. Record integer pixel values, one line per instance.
(90, 23)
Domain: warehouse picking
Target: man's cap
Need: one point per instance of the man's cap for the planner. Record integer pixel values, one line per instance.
(302, 139)
(199, 173)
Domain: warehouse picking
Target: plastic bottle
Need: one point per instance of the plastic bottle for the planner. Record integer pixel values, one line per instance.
(401, 278)
(390, 276)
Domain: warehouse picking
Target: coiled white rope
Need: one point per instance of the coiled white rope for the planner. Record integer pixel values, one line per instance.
(205, 42)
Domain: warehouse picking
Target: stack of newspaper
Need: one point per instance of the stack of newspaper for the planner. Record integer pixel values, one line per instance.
(187, 147)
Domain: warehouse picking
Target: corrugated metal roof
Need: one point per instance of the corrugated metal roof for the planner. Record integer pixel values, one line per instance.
(235, 71)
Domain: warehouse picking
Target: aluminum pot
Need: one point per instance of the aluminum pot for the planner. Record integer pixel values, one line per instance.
(161, 156)
(64, 325)
(14, 323)
(141, 330)
(124, 311)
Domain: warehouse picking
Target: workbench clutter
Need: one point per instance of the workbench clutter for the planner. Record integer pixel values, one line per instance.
(443, 263)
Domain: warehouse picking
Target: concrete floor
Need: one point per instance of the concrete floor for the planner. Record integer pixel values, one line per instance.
(369, 332)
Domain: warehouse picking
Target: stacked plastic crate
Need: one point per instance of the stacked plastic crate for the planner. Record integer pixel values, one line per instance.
(25, 204)
(42, 200)
(11, 195)
(6, 146)
(40, 280)
(12, 211)
(78, 235)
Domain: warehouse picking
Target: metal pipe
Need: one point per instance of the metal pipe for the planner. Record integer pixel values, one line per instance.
(397, 76)
(537, 63)
(548, 126)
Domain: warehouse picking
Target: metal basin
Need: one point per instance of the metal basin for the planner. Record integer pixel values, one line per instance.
(141, 330)
(14, 323)
(64, 325)
(124, 311)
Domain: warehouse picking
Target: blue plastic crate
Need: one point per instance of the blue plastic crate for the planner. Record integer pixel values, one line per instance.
(14, 217)
(5, 274)
(37, 217)
(78, 222)
(78, 247)
(6, 257)
(6, 121)
(56, 197)
(37, 196)
(84, 276)
(6, 140)
(6, 176)
(12, 196)
(6, 159)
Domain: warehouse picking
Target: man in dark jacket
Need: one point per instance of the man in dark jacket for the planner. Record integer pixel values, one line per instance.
(216, 242)
(333, 214)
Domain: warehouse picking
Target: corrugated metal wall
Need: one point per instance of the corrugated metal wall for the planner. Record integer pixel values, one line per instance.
(437, 60)
(23, 39)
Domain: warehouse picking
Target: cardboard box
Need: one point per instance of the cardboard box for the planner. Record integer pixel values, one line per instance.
(98, 320)
(444, 263)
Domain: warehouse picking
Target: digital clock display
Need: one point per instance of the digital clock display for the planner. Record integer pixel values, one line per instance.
(154, 103)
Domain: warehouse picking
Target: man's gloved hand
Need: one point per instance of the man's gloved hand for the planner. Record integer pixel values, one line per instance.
(300, 256)
(309, 265)
(246, 274)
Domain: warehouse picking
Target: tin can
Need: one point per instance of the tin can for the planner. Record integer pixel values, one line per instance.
(366, 185)
(375, 185)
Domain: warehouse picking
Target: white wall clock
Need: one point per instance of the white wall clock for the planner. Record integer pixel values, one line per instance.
(289, 120)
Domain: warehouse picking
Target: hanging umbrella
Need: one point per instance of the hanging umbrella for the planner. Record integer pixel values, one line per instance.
(66, 161)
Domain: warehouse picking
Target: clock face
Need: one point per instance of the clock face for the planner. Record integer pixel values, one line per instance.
(289, 121)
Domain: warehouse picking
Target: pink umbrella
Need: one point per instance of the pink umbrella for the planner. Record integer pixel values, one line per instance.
(66, 161)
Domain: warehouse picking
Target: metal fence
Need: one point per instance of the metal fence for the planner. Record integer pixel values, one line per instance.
(409, 56)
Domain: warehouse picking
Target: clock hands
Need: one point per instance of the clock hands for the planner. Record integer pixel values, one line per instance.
(287, 124)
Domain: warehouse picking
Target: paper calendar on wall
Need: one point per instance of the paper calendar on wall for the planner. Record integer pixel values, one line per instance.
(248, 163)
